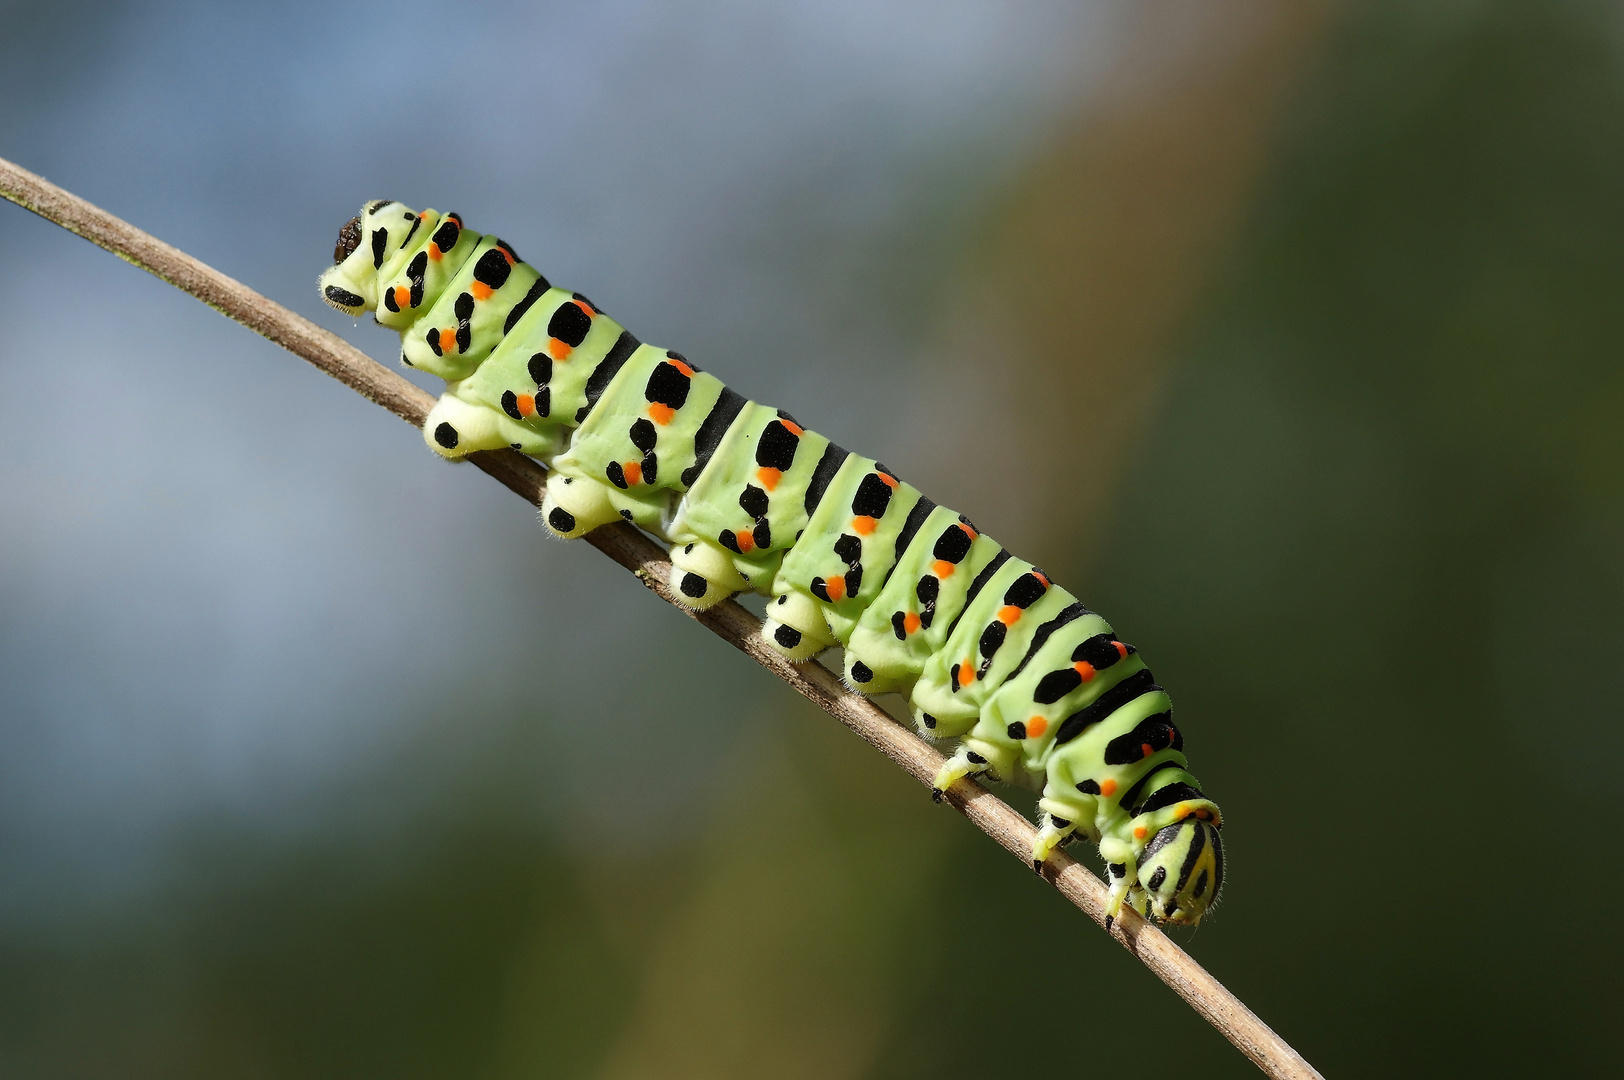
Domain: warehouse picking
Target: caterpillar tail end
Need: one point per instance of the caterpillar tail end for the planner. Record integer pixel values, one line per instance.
(351, 283)
(339, 292)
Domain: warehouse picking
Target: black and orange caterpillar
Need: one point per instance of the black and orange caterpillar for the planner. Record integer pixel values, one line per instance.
(1037, 688)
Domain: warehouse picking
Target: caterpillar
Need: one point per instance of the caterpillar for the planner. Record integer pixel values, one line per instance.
(1036, 688)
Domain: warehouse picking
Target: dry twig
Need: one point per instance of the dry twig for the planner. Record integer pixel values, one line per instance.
(636, 552)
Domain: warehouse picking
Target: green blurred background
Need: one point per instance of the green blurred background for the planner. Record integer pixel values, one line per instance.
(1285, 334)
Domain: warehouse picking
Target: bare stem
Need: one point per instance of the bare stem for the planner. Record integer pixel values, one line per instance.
(635, 551)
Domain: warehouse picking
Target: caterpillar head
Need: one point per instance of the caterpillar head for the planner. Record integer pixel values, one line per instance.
(1181, 871)
(366, 243)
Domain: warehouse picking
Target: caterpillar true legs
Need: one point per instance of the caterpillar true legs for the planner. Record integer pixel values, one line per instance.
(1036, 688)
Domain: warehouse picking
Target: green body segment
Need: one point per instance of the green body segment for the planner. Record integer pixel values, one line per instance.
(532, 397)
(466, 323)
(850, 543)
(735, 481)
(1018, 723)
(1036, 687)
(959, 678)
(909, 620)
(532, 361)
(637, 444)
(433, 255)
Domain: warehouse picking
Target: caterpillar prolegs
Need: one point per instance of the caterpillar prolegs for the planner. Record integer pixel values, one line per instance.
(1036, 688)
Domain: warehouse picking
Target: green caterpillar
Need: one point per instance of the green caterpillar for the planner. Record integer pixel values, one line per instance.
(1036, 688)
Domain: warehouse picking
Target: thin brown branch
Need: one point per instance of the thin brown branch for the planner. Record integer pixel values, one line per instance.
(636, 552)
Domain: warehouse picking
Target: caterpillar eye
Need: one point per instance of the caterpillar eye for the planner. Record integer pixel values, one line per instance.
(349, 238)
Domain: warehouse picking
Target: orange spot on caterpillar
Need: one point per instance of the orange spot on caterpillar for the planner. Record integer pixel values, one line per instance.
(792, 427)
(1009, 614)
(481, 290)
(558, 350)
(448, 341)
(1202, 814)
(1181, 813)
(680, 366)
(1041, 576)
(660, 414)
(942, 568)
(769, 477)
(887, 479)
(527, 405)
(435, 253)
(967, 674)
(586, 307)
(836, 588)
(1085, 669)
(746, 542)
(1147, 749)
(971, 533)
(1139, 833)
(403, 297)
(1036, 726)
(910, 623)
(634, 473)
(1122, 650)
(863, 524)
(507, 253)
(1108, 788)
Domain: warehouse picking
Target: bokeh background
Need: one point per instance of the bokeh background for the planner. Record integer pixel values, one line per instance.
(1285, 333)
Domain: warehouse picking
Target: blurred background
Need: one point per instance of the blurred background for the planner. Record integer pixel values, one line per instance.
(1284, 333)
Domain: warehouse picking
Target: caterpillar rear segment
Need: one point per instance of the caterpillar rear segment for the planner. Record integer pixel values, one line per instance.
(1036, 688)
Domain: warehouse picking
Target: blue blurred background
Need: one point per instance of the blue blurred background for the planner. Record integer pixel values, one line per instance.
(1285, 334)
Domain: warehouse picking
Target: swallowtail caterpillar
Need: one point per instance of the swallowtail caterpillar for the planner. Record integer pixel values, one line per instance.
(1036, 688)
